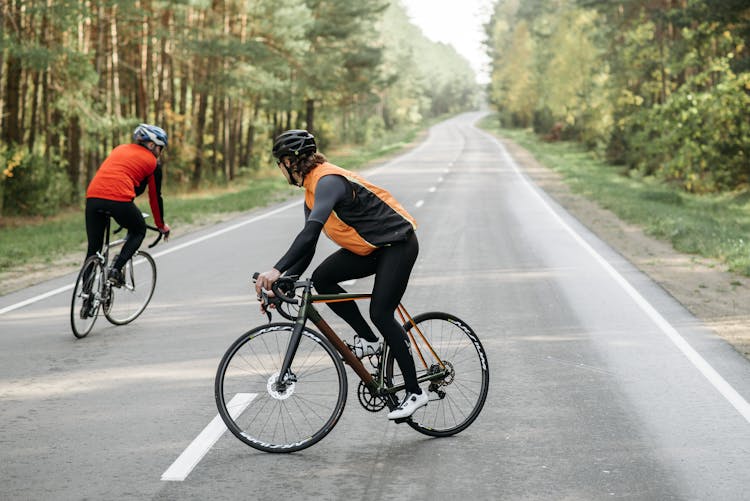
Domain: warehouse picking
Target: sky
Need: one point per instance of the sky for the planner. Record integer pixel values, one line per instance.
(456, 22)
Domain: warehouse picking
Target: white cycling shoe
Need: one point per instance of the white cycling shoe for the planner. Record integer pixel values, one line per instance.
(363, 348)
(409, 405)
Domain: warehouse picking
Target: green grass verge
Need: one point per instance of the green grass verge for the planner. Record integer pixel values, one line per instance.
(715, 226)
(26, 241)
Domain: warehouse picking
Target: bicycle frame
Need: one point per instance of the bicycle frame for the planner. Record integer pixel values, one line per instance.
(377, 387)
(107, 244)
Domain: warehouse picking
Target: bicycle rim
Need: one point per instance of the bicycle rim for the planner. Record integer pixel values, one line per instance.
(129, 300)
(84, 307)
(263, 417)
(457, 398)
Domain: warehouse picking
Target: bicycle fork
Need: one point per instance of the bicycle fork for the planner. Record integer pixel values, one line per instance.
(286, 376)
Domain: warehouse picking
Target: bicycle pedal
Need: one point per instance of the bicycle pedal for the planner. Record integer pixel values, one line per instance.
(402, 420)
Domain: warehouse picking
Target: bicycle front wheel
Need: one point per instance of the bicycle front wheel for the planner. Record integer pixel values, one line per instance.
(128, 301)
(451, 349)
(87, 294)
(274, 417)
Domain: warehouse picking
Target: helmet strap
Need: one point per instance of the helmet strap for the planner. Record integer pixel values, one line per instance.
(290, 171)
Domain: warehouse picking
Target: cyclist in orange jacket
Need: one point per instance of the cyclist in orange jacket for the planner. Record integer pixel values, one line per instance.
(124, 174)
(377, 236)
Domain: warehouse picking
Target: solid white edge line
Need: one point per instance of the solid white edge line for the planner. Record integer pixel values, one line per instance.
(713, 377)
(36, 298)
(169, 250)
(192, 455)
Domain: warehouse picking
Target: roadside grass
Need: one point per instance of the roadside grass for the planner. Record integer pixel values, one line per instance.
(714, 226)
(43, 241)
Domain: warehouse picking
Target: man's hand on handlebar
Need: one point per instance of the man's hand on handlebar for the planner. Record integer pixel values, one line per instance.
(263, 283)
(164, 230)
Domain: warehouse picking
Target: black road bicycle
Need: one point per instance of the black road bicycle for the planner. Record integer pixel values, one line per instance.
(121, 303)
(282, 387)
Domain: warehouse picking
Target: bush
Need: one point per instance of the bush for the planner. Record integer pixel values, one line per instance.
(31, 186)
(700, 137)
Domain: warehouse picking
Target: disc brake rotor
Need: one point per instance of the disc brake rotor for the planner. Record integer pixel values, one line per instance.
(277, 391)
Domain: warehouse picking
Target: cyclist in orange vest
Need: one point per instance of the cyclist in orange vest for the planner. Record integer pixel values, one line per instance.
(377, 236)
(123, 175)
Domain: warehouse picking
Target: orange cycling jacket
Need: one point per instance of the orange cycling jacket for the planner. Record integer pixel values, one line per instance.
(125, 168)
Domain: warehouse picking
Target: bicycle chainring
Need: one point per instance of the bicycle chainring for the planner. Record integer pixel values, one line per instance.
(370, 402)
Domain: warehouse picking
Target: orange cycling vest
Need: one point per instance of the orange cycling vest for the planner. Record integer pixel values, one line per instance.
(371, 219)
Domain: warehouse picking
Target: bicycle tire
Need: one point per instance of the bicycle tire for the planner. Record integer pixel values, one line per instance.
(269, 420)
(128, 301)
(86, 301)
(456, 400)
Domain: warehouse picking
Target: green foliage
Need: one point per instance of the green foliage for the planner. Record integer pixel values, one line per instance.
(700, 137)
(31, 185)
(661, 87)
(514, 87)
(221, 77)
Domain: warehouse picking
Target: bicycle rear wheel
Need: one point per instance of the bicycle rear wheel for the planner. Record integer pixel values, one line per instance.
(456, 398)
(129, 300)
(273, 419)
(84, 306)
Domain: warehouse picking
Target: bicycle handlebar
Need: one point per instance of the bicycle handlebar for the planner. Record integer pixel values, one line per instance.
(148, 227)
(283, 292)
(158, 239)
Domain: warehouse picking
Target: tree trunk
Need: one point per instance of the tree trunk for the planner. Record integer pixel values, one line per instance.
(12, 131)
(199, 127)
(116, 101)
(74, 155)
(310, 115)
(34, 125)
(2, 67)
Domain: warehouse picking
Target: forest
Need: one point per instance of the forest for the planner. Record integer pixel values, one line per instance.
(659, 87)
(221, 76)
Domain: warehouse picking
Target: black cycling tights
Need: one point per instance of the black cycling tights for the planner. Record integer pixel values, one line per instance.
(392, 266)
(126, 214)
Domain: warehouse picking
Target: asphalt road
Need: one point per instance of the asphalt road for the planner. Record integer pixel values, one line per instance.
(601, 385)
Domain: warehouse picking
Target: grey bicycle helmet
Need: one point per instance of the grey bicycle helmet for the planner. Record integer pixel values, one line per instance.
(294, 143)
(147, 132)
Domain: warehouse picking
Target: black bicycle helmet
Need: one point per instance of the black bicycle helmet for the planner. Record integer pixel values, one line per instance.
(294, 143)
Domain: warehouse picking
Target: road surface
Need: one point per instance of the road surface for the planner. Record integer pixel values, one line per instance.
(601, 385)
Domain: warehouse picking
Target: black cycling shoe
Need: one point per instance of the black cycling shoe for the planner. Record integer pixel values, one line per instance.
(115, 277)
